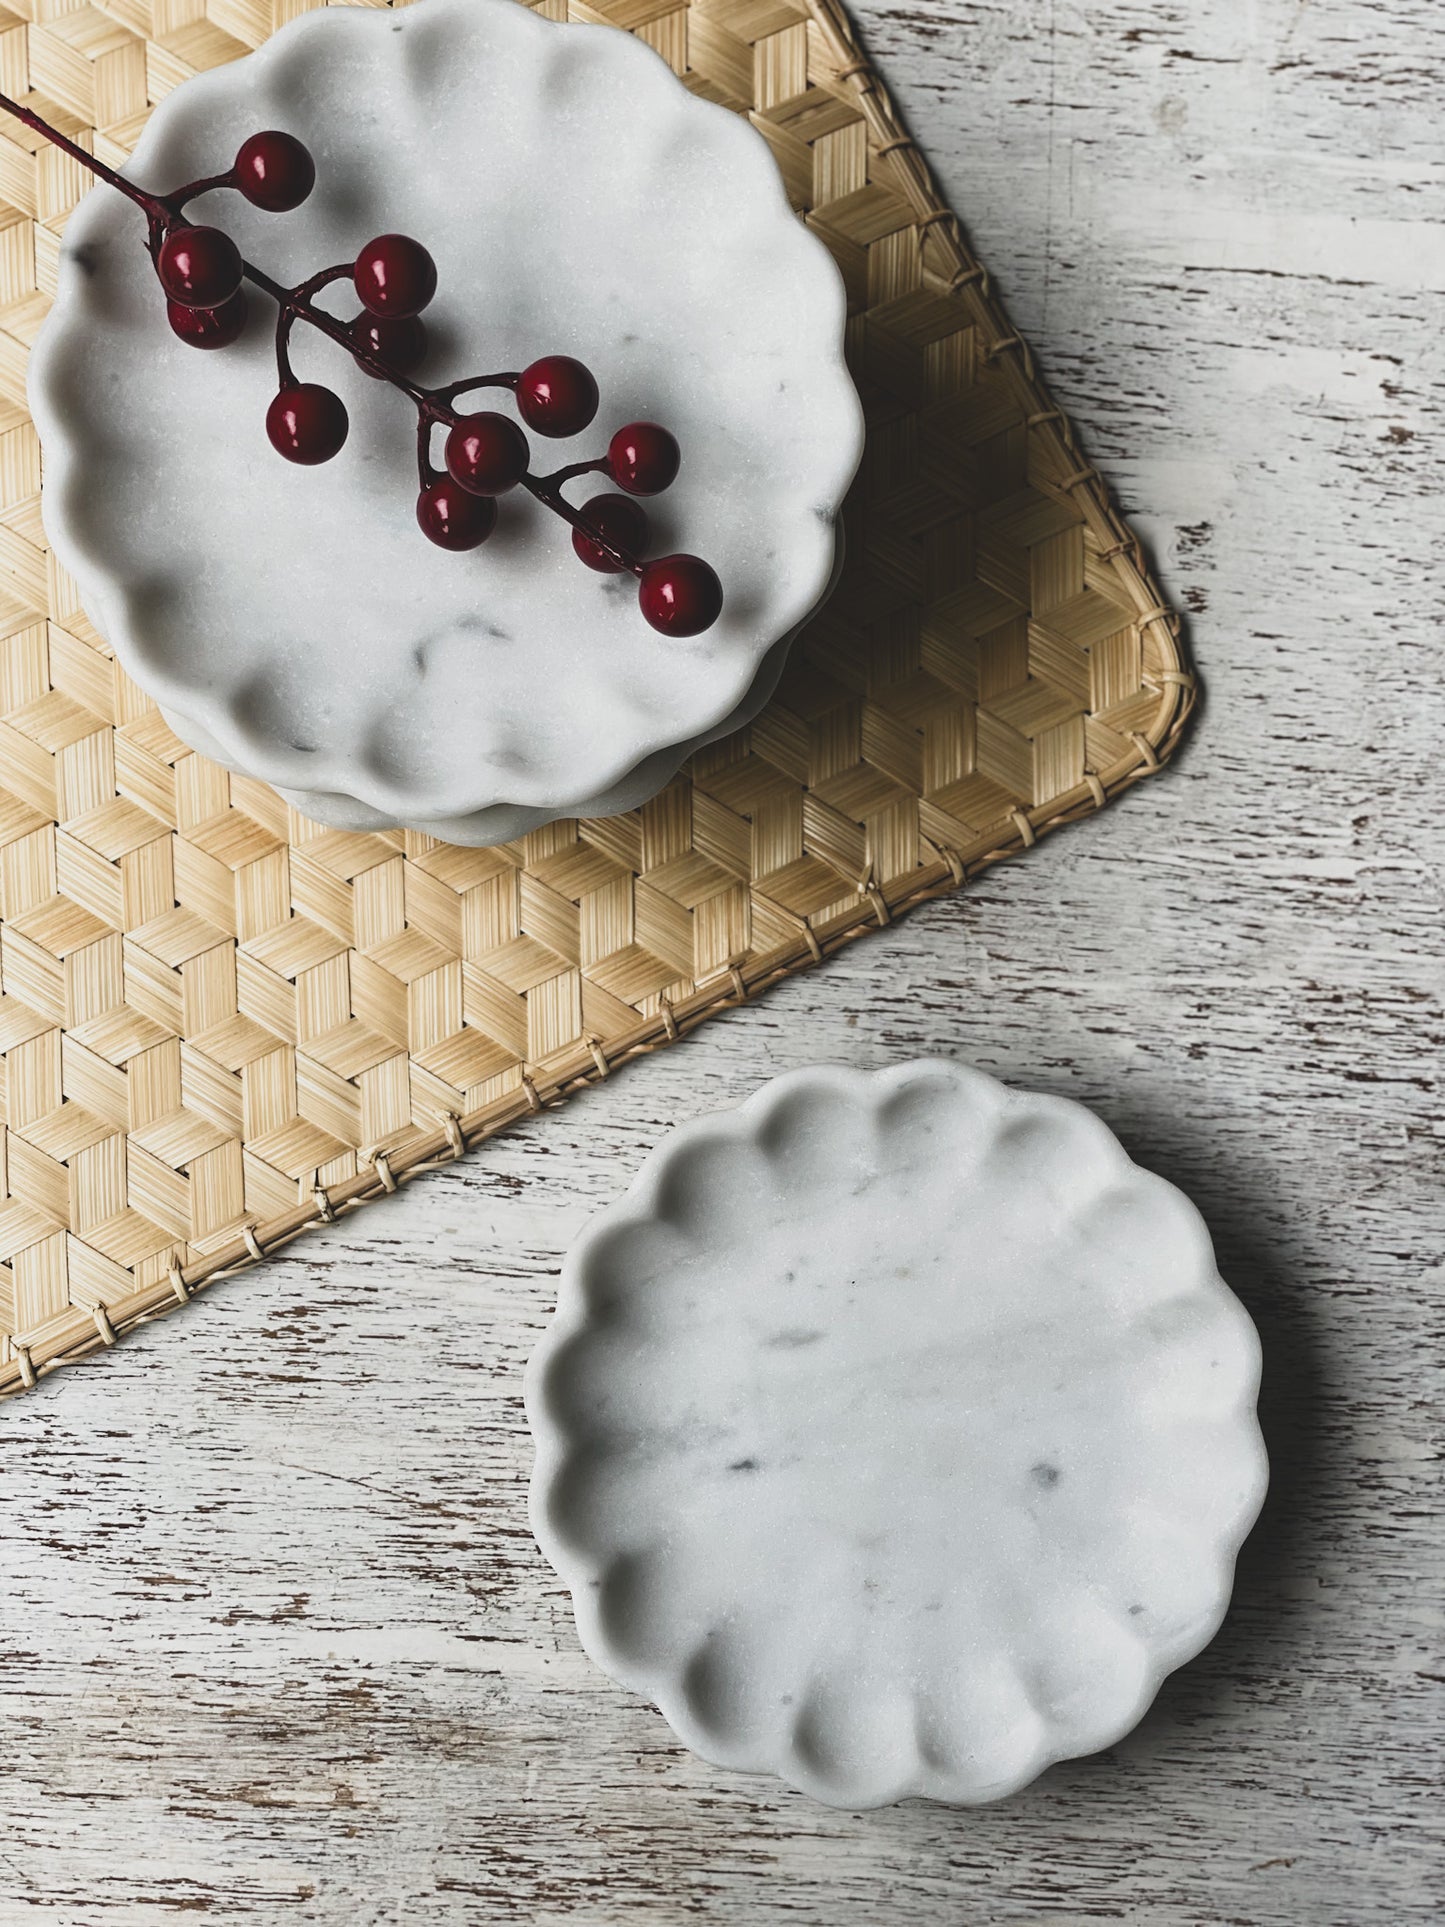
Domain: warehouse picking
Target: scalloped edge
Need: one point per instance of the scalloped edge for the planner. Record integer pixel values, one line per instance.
(505, 822)
(108, 602)
(579, 1571)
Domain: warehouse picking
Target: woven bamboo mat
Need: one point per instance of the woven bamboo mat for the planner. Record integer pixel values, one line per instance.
(221, 1024)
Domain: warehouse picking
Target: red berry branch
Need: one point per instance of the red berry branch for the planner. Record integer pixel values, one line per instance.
(485, 454)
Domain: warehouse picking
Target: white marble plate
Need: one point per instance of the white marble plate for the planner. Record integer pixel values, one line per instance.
(578, 199)
(896, 1434)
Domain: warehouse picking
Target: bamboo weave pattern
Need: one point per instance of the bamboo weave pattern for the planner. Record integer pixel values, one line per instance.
(220, 1023)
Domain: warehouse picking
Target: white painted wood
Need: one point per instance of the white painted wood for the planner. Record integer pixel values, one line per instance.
(275, 1644)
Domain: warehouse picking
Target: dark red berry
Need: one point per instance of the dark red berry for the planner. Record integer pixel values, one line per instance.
(274, 171)
(556, 396)
(643, 458)
(209, 327)
(454, 518)
(680, 595)
(487, 454)
(400, 344)
(307, 423)
(618, 520)
(200, 267)
(394, 276)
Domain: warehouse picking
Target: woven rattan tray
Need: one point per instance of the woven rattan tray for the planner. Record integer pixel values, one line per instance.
(221, 1024)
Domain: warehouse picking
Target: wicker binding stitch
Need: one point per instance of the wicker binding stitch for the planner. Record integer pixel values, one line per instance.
(222, 1025)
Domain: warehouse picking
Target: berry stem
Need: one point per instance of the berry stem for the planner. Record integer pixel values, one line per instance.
(561, 475)
(178, 201)
(335, 330)
(425, 423)
(542, 489)
(455, 389)
(288, 310)
(434, 405)
(153, 205)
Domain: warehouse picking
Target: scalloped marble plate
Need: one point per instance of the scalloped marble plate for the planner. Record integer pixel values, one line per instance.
(296, 616)
(896, 1434)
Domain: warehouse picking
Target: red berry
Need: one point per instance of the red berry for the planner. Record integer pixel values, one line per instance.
(680, 595)
(200, 267)
(394, 276)
(209, 327)
(307, 423)
(643, 458)
(618, 520)
(400, 344)
(487, 454)
(454, 518)
(274, 172)
(556, 396)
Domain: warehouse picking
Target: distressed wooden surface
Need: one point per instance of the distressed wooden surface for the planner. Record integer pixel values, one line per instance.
(275, 1643)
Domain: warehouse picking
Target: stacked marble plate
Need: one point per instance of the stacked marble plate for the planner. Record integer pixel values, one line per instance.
(292, 622)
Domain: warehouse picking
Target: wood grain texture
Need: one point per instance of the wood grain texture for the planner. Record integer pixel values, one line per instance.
(280, 1649)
